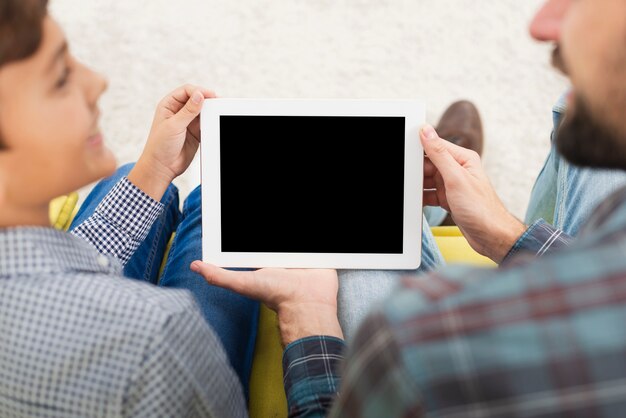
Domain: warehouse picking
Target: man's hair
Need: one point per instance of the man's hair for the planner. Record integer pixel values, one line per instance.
(21, 24)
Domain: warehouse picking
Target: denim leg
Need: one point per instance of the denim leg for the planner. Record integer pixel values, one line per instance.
(435, 215)
(234, 318)
(146, 261)
(361, 290)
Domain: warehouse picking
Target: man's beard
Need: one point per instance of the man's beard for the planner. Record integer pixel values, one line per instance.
(582, 138)
(587, 142)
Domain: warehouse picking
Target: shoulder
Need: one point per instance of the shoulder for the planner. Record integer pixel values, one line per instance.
(466, 336)
(96, 309)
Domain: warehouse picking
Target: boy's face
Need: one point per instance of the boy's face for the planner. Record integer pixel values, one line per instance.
(49, 124)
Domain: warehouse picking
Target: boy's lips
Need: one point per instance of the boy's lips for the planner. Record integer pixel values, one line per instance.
(95, 140)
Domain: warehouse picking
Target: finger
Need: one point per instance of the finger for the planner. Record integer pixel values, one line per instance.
(429, 167)
(446, 156)
(183, 93)
(440, 188)
(194, 129)
(429, 183)
(461, 154)
(175, 101)
(438, 153)
(191, 109)
(435, 198)
(242, 282)
(430, 198)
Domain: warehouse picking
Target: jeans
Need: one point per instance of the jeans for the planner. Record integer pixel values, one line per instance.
(360, 290)
(435, 215)
(233, 318)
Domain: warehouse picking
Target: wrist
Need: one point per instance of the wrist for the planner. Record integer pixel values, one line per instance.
(505, 235)
(150, 179)
(302, 320)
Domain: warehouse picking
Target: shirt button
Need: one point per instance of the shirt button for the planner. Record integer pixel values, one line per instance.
(103, 261)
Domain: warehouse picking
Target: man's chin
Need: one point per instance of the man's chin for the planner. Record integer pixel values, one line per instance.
(586, 142)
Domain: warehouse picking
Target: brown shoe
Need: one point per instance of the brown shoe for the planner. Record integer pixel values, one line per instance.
(461, 125)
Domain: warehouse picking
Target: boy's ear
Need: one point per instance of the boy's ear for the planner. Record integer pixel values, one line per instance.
(3, 177)
(2, 190)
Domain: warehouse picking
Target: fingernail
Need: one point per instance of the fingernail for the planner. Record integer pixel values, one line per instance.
(195, 266)
(197, 97)
(429, 132)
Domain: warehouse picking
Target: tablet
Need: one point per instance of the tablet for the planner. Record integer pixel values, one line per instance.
(312, 183)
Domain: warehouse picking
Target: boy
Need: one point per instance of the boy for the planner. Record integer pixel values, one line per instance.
(76, 338)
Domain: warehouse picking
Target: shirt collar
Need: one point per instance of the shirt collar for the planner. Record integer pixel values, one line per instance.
(37, 250)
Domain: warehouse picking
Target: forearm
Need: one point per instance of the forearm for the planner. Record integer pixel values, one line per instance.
(121, 221)
(311, 361)
(539, 239)
(311, 369)
(300, 321)
(149, 179)
(501, 237)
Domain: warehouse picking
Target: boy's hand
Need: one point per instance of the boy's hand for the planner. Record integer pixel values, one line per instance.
(305, 300)
(454, 179)
(173, 140)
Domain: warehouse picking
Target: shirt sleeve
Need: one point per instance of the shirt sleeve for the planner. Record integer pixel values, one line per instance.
(376, 382)
(121, 221)
(185, 373)
(539, 239)
(311, 370)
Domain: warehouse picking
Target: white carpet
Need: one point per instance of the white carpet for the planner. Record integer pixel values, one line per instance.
(438, 50)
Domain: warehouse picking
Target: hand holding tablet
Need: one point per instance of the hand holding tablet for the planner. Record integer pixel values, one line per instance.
(312, 183)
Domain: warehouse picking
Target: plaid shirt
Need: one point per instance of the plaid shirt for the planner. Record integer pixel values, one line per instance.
(79, 340)
(536, 337)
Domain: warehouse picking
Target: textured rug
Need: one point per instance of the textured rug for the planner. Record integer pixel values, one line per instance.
(437, 50)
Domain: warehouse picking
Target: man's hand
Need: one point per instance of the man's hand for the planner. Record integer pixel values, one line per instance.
(454, 179)
(173, 140)
(305, 300)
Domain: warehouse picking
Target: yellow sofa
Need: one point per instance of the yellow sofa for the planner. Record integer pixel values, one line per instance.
(267, 398)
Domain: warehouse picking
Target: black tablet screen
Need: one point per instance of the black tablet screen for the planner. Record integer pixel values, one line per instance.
(312, 184)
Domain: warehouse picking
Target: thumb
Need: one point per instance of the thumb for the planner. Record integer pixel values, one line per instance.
(241, 282)
(437, 151)
(192, 108)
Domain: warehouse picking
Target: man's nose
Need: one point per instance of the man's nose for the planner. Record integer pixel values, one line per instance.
(546, 25)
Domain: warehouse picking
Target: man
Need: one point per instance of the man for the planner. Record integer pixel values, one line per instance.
(77, 339)
(541, 336)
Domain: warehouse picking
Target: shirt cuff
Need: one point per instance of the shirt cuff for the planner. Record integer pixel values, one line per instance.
(311, 371)
(130, 210)
(540, 238)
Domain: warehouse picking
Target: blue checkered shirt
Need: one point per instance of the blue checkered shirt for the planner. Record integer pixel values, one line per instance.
(79, 340)
(542, 336)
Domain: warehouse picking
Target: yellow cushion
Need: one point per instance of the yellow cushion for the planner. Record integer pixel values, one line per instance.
(455, 248)
(267, 396)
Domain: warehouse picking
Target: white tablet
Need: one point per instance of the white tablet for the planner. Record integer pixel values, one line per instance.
(312, 183)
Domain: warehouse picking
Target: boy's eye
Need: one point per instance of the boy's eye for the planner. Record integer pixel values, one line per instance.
(61, 82)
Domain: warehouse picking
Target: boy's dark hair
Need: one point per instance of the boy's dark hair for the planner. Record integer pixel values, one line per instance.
(20, 30)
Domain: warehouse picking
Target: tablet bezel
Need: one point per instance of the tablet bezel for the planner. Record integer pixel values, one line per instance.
(414, 113)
